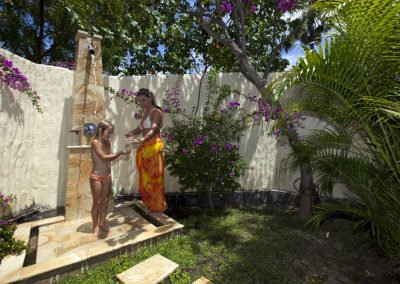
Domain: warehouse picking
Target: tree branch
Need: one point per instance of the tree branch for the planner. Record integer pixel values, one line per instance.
(276, 50)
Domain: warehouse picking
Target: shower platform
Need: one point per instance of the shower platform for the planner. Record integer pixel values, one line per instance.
(69, 246)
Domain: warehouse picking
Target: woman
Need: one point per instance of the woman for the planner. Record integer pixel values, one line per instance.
(149, 159)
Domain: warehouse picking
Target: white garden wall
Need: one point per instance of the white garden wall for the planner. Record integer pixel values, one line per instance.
(33, 154)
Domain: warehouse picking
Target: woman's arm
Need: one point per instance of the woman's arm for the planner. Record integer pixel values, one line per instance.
(97, 147)
(135, 131)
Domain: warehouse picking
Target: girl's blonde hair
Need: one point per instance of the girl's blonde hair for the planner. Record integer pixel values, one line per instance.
(103, 125)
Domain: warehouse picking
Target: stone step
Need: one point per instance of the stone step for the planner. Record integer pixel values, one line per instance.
(202, 280)
(150, 271)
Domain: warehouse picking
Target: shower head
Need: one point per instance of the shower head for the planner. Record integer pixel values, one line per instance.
(91, 49)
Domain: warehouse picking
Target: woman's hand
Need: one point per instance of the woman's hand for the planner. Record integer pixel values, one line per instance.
(126, 152)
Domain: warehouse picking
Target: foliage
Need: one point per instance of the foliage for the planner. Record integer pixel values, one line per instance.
(40, 31)
(286, 123)
(252, 33)
(139, 37)
(353, 82)
(196, 142)
(13, 78)
(8, 245)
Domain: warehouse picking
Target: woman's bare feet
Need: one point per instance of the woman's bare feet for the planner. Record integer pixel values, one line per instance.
(105, 228)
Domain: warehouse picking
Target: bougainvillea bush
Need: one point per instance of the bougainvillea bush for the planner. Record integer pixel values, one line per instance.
(8, 244)
(13, 78)
(202, 151)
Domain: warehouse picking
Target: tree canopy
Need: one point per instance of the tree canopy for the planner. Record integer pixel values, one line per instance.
(142, 37)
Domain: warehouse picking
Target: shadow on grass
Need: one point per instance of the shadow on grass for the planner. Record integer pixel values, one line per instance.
(271, 246)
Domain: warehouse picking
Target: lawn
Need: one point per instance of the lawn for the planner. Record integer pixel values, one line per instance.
(255, 246)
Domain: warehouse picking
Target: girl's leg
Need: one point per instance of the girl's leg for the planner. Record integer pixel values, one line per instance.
(104, 204)
(97, 189)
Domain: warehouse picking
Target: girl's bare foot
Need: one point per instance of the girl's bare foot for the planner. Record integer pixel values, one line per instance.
(96, 231)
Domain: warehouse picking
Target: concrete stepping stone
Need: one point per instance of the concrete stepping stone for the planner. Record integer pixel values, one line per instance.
(150, 271)
(202, 280)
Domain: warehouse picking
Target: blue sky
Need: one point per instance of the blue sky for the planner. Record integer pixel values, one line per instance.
(293, 55)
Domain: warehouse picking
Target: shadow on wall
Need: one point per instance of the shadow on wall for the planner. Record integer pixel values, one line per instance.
(63, 153)
(122, 168)
(10, 105)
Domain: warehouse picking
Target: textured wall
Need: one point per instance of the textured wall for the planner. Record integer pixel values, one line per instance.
(34, 158)
(32, 147)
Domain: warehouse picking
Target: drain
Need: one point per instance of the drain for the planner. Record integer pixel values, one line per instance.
(30, 257)
(148, 217)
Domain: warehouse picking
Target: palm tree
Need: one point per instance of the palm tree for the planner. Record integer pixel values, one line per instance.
(353, 82)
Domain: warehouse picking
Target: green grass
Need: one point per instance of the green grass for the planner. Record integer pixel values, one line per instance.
(238, 246)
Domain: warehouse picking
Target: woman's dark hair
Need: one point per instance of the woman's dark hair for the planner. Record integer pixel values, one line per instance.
(147, 93)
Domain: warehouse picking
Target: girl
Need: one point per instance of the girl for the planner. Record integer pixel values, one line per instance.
(100, 177)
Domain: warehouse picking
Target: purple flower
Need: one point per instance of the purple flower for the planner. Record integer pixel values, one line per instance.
(285, 5)
(267, 111)
(214, 148)
(277, 110)
(234, 104)
(226, 6)
(13, 77)
(200, 139)
(277, 132)
(171, 100)
(164, 134)
(253, 8)
(8, 63)
(229, 146)
(185, 151)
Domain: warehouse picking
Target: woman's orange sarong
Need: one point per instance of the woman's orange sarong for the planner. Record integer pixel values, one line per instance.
(150, 165)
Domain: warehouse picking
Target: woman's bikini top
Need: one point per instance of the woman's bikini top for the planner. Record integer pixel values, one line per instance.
(147, 121)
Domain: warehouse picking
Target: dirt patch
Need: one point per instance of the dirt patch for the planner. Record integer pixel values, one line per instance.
(335, 259)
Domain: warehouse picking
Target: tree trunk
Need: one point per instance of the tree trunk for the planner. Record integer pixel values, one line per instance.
(306, 191)
(40, 38)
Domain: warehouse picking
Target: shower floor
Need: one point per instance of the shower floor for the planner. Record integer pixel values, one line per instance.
(65, 247)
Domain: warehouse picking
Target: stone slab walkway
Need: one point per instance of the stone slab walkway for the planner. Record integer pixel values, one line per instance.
(65, 246)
